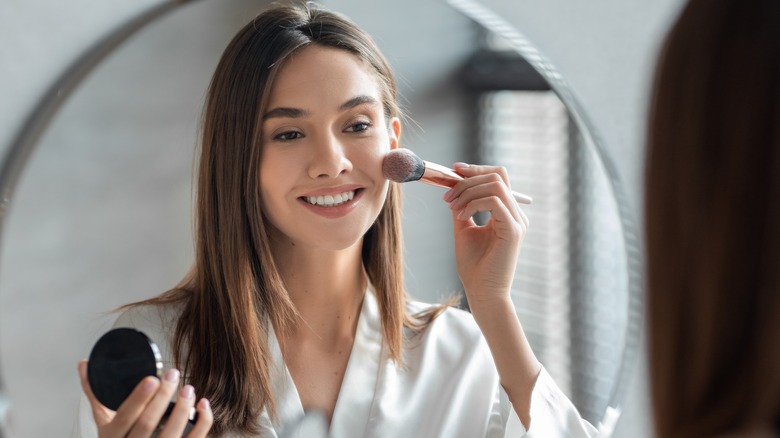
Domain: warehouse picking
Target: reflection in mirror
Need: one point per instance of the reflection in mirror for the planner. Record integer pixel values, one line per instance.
(101, 215)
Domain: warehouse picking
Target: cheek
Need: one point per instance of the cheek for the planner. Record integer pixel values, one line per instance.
(371, 156)
(272, 172)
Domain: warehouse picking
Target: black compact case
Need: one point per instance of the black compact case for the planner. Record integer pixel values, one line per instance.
(120, 359)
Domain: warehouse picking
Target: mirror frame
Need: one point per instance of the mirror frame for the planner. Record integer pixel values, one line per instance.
(27, 137)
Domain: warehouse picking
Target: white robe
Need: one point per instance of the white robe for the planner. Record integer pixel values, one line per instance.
(447, 386)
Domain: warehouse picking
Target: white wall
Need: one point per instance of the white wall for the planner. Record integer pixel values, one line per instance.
(40, 38)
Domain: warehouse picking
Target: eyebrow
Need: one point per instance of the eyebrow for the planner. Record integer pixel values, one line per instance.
(292, 113)
(295, 113)
(357, 101)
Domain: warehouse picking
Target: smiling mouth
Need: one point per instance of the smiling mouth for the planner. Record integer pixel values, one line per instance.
(330, 200)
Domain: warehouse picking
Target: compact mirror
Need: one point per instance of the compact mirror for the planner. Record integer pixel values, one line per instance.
(119, 360)
(101, 215)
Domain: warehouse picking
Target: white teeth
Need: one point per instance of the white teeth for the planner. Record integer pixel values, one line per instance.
(330, 200)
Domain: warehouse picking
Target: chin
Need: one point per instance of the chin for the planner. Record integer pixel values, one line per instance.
(336, 244)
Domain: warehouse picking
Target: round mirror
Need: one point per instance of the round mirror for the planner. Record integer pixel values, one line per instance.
(101, 214)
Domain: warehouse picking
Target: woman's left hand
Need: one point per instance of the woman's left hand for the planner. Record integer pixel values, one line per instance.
(486, 255)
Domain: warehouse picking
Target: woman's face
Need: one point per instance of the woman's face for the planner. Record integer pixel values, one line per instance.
(324, 138)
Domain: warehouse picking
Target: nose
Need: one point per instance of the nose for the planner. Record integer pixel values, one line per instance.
(329, 158)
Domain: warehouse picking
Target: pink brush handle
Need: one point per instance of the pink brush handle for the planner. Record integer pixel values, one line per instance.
(438, 175)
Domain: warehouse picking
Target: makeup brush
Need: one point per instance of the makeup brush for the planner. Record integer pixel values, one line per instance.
(402, 165)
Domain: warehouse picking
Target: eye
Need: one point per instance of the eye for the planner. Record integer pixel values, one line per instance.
(358, 127)
(288, 135)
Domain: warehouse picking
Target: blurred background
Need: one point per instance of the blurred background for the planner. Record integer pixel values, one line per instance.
(100, 216)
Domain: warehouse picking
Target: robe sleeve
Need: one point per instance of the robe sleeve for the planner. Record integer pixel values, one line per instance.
(552, 413)
(85, 425)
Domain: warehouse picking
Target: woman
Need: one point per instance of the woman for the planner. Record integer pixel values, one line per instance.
(713, 223)
(296, 299)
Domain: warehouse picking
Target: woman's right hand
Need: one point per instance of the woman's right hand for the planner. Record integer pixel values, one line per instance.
(141, 412)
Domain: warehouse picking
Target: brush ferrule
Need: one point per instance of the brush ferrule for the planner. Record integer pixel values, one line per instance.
(438, 175)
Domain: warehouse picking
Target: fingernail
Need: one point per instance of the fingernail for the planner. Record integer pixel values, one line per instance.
(448, 194)
(172, 376)
(149, 385)
(460, 164)
(187, 392)
(204, 403)
(462, 215)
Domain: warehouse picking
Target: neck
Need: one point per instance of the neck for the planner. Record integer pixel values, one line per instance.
(326, 287)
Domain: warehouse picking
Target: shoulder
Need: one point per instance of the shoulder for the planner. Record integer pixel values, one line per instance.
(152, 317)
(451, 347)
(450, 316)
(157, 321)
(450, 324)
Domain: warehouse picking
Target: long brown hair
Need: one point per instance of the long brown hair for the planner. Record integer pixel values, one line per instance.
(712, 218)
(234, 289)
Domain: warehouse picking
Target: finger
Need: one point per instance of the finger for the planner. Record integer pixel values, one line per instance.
(132, 408)
(461, 186)
(205, 420)
(100, 413)
(117, 422)
(487, 189)
(466, 170)
(460, 224)
(524, 218)
(469, 170)
(174, 425)
(500, 215)
(148, 420)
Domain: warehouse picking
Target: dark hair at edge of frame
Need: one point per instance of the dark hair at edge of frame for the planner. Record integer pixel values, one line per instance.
(221, 337)
(712, 215)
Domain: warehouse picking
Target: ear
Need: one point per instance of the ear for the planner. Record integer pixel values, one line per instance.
(395, 133)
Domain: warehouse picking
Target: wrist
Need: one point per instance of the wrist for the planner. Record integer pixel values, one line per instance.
(497, 305)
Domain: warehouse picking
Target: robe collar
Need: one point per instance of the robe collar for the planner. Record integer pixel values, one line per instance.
(352, 414)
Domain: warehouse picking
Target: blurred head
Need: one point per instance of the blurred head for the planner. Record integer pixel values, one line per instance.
(712, 218)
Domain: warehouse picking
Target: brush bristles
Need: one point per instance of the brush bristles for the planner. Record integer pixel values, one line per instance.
(402, 165)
